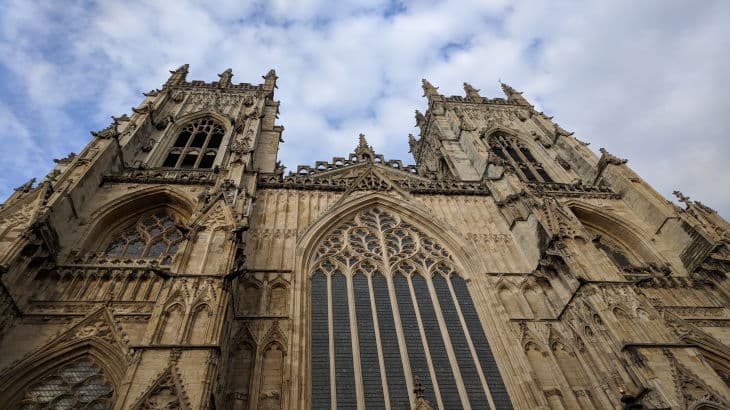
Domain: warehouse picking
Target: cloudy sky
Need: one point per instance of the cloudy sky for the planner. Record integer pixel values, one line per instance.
(648, 80)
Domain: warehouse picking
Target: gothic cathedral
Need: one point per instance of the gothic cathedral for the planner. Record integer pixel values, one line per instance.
(172, 264)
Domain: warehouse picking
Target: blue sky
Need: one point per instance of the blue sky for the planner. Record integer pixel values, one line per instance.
(646, 80)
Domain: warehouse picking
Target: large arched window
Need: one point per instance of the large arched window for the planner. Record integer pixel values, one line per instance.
(150, 236)
(77, 385)
(411, 310)
(511, 151)
(196, 146)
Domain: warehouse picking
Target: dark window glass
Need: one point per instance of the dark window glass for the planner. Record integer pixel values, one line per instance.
(171, 160)
(345, 374)
(321, 398)
(397, 388)
(199, 139)
(197, 136)
(207, 160)
(369, 363)
(467, 366)
(520, 157)
(500, 153)
(182, 139)
(513, 154)
(215, 140)
(545, 177)
(189, 161)
(414, 345)
(528, 174)
(436, 346)
(481, 345)
(526, 152)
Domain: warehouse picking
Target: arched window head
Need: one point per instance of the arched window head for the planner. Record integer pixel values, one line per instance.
(196, 146)
(511, 151)
(151, 236)
(77, 385)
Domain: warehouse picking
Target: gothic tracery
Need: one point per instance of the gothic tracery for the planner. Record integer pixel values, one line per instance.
(377, 250)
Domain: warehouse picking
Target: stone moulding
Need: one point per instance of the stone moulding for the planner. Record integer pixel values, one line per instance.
(164, 176)
(555, 189)
(301, 182)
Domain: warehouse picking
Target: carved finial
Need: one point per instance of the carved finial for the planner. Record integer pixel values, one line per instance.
(27, 186)
(362, 142)
(270, 80)
(420, 120)
(514, 95)
(225, 78)
(428, 89)
(681, 197)
(412, 142)
(471, 92)
(609, 158)
(178, 76)
(363, 150)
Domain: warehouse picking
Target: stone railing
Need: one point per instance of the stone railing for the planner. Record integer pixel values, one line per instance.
(165, 176)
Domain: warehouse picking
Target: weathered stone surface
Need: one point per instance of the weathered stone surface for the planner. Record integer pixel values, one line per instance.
(508, 267)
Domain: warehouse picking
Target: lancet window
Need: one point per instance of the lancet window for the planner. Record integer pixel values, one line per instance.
(196, 146)
(513, 152)
(388, 305)
(151, 236)
(77, 385)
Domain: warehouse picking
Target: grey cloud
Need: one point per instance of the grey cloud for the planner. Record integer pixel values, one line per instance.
(646, 80)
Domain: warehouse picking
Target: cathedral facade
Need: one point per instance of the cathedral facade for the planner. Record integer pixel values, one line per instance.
(173, 264)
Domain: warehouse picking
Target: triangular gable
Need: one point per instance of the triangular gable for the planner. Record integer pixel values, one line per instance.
(25, 209)
(167, 392)
(98, 332)
(217, 212)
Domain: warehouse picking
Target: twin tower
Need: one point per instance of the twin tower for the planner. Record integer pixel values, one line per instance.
(172, 264)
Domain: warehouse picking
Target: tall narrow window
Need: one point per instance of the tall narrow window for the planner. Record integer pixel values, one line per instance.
(382, 286)
(508, 149)
(196, 146)
(151, 236)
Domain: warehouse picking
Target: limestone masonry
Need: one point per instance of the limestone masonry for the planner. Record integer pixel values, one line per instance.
(173, 264)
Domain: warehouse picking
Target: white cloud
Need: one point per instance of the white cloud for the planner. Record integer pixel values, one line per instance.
(646, 80)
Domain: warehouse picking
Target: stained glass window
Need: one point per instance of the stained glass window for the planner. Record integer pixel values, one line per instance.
(196, 146)
(511, 151)
(394, 281)
(152, 236)
(78, 385)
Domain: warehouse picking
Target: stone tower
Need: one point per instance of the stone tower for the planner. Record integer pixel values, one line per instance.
(172, 264)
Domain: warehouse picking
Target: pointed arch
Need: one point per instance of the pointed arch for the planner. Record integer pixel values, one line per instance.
(168, 141)
(632, 240)
(272, 376)
(119, 213)
(199, 324)
(94, 339)
(171, 323)
(464, 251)
(399, 238)
(513, 150)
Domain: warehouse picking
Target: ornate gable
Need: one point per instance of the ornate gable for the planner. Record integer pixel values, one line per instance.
(167, 392)
(366, 170)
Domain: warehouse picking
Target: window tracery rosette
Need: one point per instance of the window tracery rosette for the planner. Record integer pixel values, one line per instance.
(153, 236)
(77, 385)
(376, 267)
(375, 240)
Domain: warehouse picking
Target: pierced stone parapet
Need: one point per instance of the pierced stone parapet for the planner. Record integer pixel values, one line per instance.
(557, 189)
(165, 176)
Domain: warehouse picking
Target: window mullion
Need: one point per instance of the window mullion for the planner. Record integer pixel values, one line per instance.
(186, 148)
